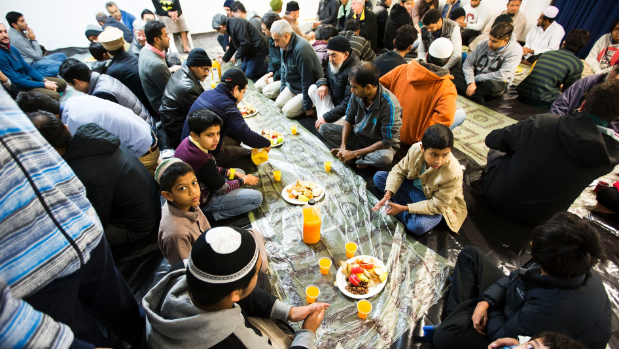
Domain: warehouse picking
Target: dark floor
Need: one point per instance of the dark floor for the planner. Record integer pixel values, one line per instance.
(503, 240)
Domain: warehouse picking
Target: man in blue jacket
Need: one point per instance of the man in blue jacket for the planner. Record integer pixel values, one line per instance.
(223, 101)
(22, 74)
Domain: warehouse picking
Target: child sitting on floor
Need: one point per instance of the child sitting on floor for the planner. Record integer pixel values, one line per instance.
(211, 302)
(182, 221)
(221, 196)
(426, 185)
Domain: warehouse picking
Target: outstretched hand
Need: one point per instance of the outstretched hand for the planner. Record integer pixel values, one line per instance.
(301, 313)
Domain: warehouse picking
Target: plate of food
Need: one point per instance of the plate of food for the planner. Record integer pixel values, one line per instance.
(302, 191)
(276, 138)
(519, 70)
(361, 277)
(248, 111)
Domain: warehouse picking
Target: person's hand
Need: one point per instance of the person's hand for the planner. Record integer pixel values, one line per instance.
(30, 34)
(394, 208)
(309, 112)
(470, 90)
(315, 24)
(301, 313)
(382, 201)
(319, 122)
(270, 80)
(50, 85)
(268, 149)
(171, 14)
(3, 78)
(346, 155)
(174, 68)
(313, 320)
(323, 91)
(503, 342)
(312, 35)
(461, 23)
(250, 179)
(526, 51)
(480, 317)
(233, 59)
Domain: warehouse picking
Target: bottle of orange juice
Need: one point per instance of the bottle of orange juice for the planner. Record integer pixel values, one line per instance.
(259, 156)
(216, 71)
(311, 222)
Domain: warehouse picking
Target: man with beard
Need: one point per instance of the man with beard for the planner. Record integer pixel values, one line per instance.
(370, 135)
(518, 18)
(546, 36)
(332, 93)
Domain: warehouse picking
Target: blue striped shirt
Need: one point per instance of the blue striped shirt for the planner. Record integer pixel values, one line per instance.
(47, 229)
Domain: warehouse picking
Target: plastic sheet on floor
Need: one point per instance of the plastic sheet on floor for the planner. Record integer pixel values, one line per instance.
(417, 275)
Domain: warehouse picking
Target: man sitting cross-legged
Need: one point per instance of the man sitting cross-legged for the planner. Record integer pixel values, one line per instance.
(270, 83)
(223, 101)
(371, 132)
(79, 76)
(426, 186)
(300, 69)
(117, 184)
(571, 151)
(332, 93)
(216, 300)
(435, 27)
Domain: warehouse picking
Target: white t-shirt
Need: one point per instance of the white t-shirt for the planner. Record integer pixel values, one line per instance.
(476, 16)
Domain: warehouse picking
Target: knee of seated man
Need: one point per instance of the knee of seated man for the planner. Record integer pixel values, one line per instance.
(312, 88)
(384, 160)
(442, 338)
(256, 198)
(380, 179)
(290, 111)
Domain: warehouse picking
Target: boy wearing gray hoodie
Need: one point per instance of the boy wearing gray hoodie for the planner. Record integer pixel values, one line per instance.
(490, 68)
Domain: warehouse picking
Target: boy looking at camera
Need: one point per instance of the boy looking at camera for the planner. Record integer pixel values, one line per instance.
(426, 185)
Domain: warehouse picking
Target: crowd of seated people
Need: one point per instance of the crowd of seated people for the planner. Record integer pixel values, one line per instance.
(100, 183)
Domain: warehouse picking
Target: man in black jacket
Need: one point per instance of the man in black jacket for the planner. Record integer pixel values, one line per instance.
(181, 91)
(406, 36)
(398, 17)
(327, 13)
(332, 93)
(246, 44)
(300, 69)
(382, 14)
(271, 83)
(117, 185)
(367, 18)
(539, 166)
(557, 291)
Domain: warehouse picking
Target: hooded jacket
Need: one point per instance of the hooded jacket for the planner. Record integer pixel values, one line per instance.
(300, 68)
(427, 95)
(245, 40)
(398, 17)
(486, 64)
(549, 160)
(442, 187)
(180, 93)
(603, 54)
(451, 31)
(369, 26)
(380, 122)
(527, 303)
(172, 321)
(339, 88)
(117, 184)
(106, 87)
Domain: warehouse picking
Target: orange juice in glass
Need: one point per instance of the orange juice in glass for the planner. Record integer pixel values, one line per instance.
(351, 249)
(312, 293)
(277, 174)
(325, 265)
(364, 308)
(311, 223)
(293, 129)
(327, 166)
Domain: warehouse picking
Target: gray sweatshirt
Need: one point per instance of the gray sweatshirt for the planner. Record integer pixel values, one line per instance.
(30, 49)
(486, 64)
(172, 321)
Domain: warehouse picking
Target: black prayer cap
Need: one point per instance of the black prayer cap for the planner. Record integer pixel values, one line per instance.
(339, 43)
(292, 6)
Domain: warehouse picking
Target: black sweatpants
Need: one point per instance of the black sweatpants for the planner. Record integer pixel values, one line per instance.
(473, 274)
(96, 292)
(469, 35)
(233, 155)
(486, 90)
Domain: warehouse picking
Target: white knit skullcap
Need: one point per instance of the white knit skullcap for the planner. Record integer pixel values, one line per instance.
(441, 48)
(551, 12)
(223, 240)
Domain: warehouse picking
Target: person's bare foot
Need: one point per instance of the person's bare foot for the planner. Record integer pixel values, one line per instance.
(334, 151)
(362, 166)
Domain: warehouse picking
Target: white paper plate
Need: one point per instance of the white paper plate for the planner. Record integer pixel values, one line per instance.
(249, 115)
(340, 278)
(276, 145)
(299, 202)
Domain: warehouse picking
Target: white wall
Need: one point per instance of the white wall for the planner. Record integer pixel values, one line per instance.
(62, 23)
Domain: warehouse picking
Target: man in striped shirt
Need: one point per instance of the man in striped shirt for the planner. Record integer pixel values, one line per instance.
(554, 72)
(54, 260)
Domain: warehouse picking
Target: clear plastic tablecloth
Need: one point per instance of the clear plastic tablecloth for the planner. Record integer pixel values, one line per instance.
(417, 275)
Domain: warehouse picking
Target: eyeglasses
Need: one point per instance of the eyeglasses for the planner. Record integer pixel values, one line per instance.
(616, 29)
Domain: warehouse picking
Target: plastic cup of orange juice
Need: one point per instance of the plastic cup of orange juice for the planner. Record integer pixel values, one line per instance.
(351, 249)
(364, 308)
(325, 265)
(278, 175)
(328, 166)
(312, 293)
(293, 129)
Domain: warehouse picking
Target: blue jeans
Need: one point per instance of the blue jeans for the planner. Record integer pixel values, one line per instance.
(254, 67)
(234, 203)
(419, 224)
(49, 65)
(458, 118)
